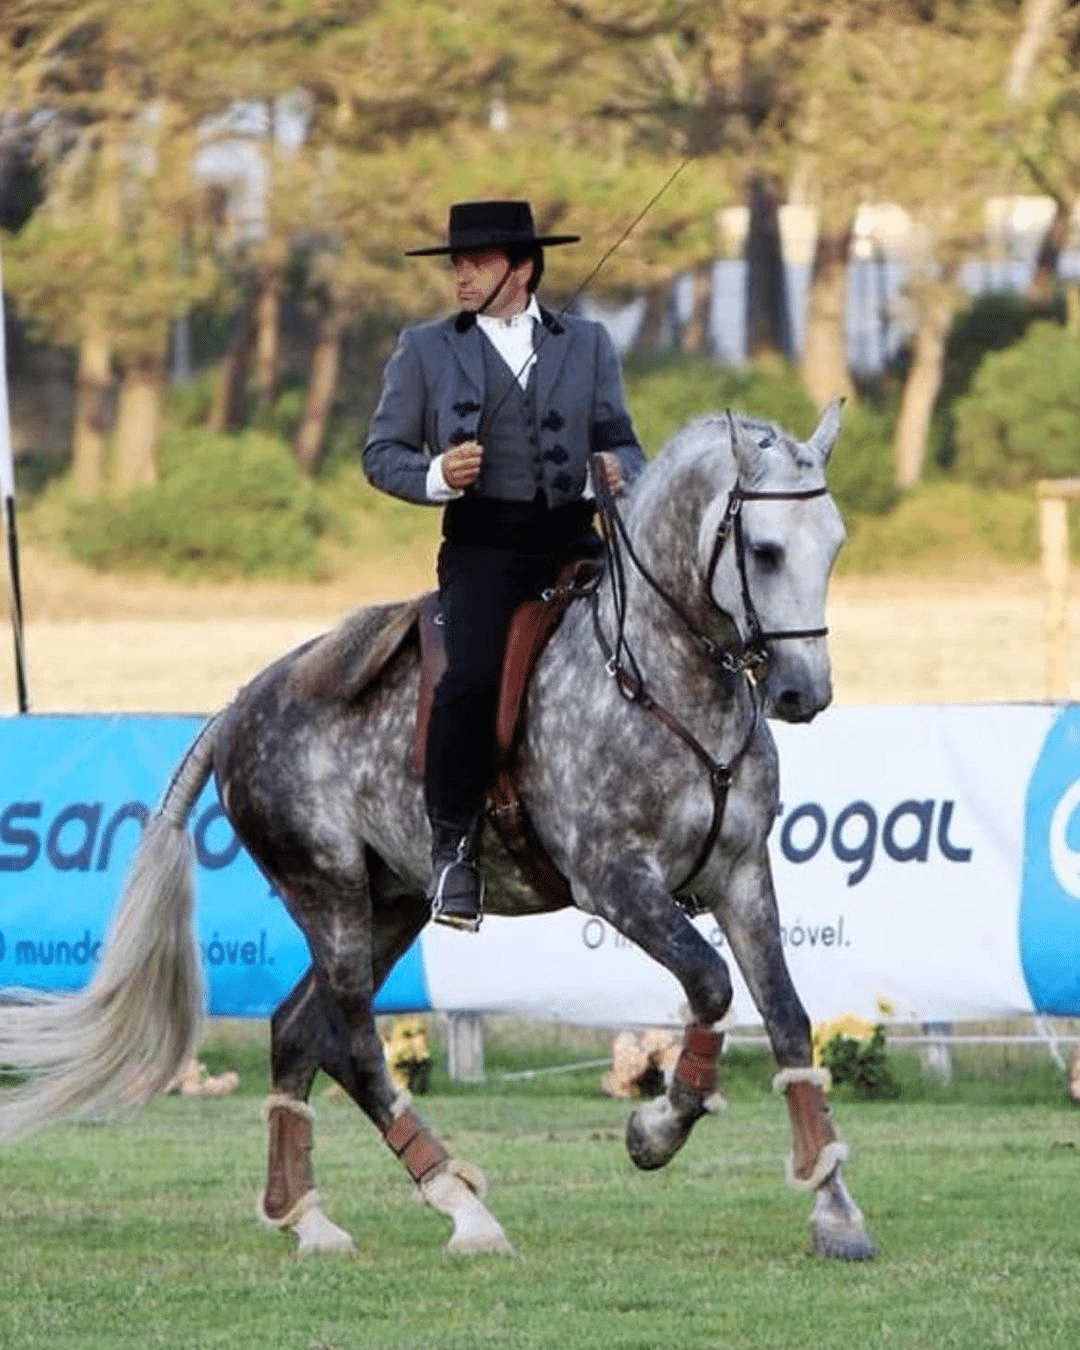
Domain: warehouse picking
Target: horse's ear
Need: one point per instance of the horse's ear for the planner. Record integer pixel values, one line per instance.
(825, 433)
(749, 458)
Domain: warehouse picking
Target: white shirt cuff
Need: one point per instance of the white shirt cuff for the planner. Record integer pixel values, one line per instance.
(438, 489)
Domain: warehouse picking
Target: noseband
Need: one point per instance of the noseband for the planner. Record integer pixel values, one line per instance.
(747, 659)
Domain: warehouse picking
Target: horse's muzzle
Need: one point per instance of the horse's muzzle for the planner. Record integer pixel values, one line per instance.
(793, 695)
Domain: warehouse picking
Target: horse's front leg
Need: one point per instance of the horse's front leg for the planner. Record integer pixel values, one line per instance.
(633, 899)
(749, 918)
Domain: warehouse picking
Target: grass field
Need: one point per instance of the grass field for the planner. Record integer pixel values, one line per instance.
(142, 1232)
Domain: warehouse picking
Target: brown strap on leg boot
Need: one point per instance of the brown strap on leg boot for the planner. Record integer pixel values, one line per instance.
(411, 1141)
(290, 1185)
(696, 1065)
(817, 1150)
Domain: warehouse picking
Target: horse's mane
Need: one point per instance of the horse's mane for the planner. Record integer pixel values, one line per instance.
(705, 440)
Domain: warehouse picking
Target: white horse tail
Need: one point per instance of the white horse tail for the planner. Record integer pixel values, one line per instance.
(125, 1037)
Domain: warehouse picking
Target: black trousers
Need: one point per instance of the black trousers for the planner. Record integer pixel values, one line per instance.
(480, 586)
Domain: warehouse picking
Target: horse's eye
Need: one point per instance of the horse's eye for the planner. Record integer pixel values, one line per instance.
(767, 556)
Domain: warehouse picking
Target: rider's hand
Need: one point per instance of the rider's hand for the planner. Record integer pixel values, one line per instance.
(461, 465)
(612, 471)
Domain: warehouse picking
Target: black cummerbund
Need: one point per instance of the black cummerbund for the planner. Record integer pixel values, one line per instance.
(525, 527)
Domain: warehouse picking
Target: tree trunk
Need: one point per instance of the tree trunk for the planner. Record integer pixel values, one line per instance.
(823, 367)
(138, 418)
(650, 334)
(267, 337)
(227, 405)
(322, 385)
(93, 387)
(922, 386)
(1072, 308)
(1044, 279)
(1038, 23)
(694, 336)
(768, 323)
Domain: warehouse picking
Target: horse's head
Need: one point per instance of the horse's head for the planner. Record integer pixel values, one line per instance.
(766, 549)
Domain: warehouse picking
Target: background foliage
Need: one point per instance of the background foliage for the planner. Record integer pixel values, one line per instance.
(205, 212)
(224, 506)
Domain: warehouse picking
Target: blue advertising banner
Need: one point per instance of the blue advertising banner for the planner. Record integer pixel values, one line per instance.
(1050, 893)
(76, 791)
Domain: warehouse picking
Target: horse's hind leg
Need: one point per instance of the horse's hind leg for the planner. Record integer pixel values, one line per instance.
(752, 925)
(636, 903)
(328, 1023)
(289, 1200)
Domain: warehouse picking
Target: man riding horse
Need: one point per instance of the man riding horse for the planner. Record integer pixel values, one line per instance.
(495, 413)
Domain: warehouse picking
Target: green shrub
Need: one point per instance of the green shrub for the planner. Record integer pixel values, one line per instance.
(863, 1065)
(861, 468)
(224, 505)
(188, 404)
(1020, 421)
(667, 392)
(992, 322)
(940, 523)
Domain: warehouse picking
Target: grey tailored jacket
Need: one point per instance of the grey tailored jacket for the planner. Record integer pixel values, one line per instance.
(433, 398)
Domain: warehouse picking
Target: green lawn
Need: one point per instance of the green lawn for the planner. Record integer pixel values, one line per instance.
(142, 1232)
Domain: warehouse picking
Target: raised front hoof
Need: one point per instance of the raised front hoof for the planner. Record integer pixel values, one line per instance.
(842, 1242)
(654, 1134)
(837, 1230)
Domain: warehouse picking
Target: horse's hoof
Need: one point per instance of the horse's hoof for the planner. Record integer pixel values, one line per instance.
(474, 1241)
(654, 1134)
(843, 1242)
(836, 1223)
(315, 1233)
(455, 1192)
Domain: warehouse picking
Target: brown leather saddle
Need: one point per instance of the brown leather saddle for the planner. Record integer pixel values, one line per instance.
(532, 624)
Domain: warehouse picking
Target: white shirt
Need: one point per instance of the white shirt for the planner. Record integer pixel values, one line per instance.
(512, 338)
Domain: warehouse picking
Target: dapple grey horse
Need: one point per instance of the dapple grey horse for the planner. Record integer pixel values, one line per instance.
(648, 772)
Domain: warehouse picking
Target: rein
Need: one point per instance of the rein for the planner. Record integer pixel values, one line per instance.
(751, 655)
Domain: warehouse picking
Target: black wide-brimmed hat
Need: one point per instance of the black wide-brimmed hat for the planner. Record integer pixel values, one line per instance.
(477, 225)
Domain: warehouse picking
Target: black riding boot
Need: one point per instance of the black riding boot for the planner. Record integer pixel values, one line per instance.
(456, 889)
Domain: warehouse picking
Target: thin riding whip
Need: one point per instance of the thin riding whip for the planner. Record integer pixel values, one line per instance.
(487, 419)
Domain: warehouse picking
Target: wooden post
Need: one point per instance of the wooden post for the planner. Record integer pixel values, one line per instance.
(1054, 494)
(935, 1054)
(465, 1047)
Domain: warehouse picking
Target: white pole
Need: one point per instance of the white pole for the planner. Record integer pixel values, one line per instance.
(7, 490)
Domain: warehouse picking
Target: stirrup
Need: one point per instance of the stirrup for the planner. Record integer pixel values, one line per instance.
(463, 912)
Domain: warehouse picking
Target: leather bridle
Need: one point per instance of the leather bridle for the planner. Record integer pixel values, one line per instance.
(754, 651)
(744, 659)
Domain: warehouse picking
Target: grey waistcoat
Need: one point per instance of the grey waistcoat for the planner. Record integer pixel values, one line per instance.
(512, 469)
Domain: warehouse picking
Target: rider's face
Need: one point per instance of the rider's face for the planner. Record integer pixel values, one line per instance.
(478, 272)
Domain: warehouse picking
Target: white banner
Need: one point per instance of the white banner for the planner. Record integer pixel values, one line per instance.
(897, 858)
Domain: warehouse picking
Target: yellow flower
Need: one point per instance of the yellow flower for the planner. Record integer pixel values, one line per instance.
(847, 1024)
